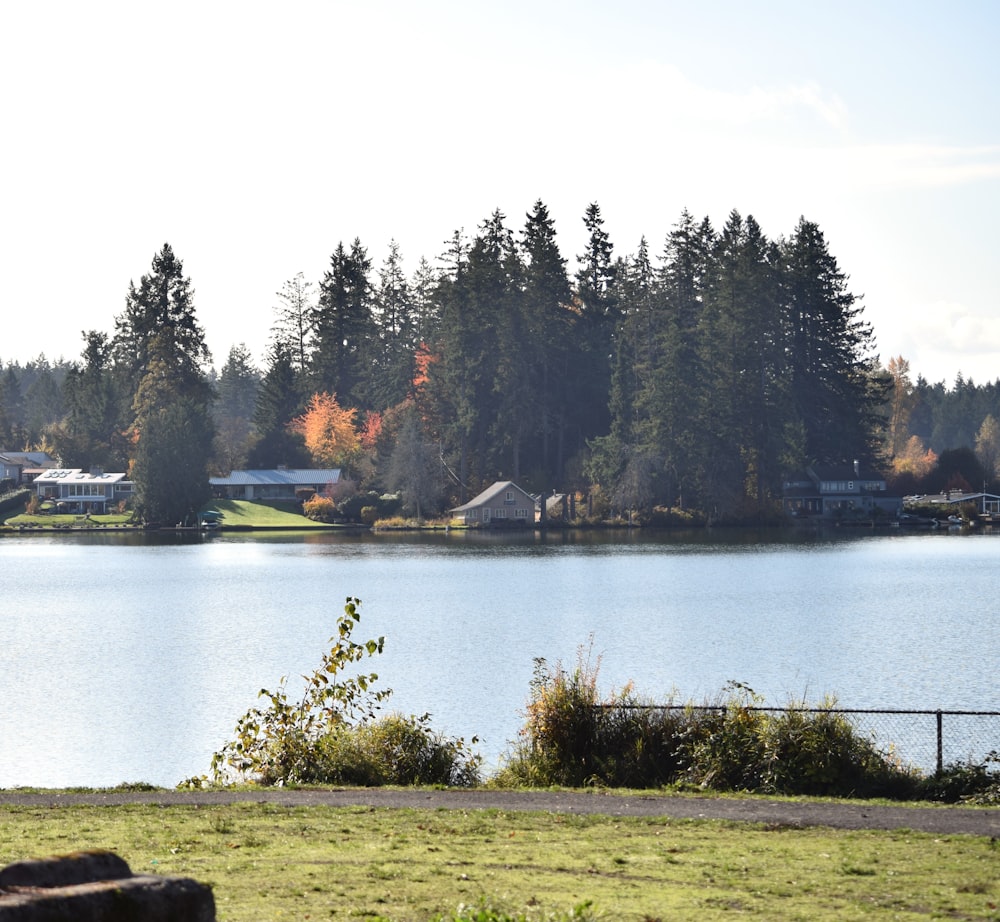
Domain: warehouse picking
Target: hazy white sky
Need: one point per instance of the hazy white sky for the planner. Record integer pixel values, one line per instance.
(254, 136)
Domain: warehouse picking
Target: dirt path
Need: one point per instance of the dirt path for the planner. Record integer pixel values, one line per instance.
(937, 820)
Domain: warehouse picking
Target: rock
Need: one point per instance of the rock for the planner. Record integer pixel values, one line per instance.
(98, 887)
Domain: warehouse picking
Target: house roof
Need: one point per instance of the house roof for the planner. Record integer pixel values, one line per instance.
(827, 472)
(489, 494)
(954, 498)
(39, 459)
(75, 475)
(278, 477)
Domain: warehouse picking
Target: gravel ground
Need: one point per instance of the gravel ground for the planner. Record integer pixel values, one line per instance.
(937, 820)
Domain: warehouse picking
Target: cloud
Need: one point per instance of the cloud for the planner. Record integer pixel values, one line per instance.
(923, 165)
(663, 91)
(953, 337)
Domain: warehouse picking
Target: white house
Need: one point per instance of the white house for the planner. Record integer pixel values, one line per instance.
(503, 503)
(82, 491)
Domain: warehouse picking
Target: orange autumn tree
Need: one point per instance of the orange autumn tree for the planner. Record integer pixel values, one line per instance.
(328, 431)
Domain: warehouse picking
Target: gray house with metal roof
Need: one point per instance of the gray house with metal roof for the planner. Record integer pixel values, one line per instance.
(278, 484)
(23, 466)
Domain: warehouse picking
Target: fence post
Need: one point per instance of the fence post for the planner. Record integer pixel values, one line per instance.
(940, 744)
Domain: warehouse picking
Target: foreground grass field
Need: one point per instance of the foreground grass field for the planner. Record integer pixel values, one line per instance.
(266, 862)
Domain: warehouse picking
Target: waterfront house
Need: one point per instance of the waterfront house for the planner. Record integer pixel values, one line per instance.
(839, 491)
(985, 504)
(278, 484)
(75, 490)
(503, 503)
(22, 467)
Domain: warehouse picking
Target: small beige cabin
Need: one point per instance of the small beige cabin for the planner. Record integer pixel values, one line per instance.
(502, 504)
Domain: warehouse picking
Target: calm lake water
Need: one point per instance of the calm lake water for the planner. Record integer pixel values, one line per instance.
(127, 658)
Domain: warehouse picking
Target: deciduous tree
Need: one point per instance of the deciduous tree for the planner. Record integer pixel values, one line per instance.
(328, 431)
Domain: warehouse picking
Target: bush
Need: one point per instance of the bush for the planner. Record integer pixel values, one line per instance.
(819, 752)
(331, 736)
(968, 782)
(395, 750)
(573, 738)
(723, 747)
(319, 509)
(278, 744)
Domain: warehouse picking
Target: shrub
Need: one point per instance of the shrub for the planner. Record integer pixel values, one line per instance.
(395, 750)
(722, 747)
(319, 509)
(331, 736)
(963, 781)
(819, 752)
(278, 743)
(573, 738)
(369, 514)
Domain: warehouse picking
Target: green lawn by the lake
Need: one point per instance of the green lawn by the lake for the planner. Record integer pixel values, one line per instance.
(232, 513)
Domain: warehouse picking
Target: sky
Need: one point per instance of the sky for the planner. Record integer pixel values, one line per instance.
(254, 137)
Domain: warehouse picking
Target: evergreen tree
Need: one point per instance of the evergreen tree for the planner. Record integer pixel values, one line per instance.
(675, 377)
(537, 362)
(744, 342)
(830, 352)
(93, 432)
(174, 440)
(597, 301)
(468, 387)
(161, 310)
(278, 403)
(233, 410)
(344, 329)
(423, 296)
(160, 345)
(413, 469)
(43, 403)
(12, 409)
(397, 327)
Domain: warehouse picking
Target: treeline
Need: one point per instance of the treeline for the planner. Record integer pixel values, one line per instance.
(691, 378)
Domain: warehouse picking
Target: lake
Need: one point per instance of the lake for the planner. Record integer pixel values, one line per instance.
(130, 657)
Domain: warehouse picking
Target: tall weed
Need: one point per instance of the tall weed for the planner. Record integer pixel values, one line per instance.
(572, 737)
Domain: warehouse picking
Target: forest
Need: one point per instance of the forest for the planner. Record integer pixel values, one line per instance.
(684, 382)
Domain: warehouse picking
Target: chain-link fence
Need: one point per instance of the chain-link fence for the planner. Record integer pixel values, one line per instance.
(927, 740)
